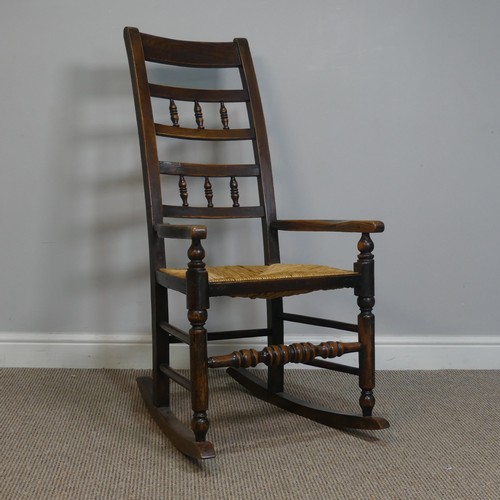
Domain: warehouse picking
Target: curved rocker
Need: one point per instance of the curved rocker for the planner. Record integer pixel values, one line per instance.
(312, 412)
(178, 434)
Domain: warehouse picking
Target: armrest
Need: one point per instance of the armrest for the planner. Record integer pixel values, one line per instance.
(343, 226)
(181, 231)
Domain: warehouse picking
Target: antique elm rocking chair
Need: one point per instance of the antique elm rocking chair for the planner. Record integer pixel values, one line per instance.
(199, 282)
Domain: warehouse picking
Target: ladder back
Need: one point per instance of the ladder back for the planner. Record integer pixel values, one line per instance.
(192, 122)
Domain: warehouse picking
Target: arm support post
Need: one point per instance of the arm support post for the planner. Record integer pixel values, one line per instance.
(197, 305)
(366, 322)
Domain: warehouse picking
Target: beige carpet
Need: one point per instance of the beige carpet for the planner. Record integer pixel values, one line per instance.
(85, 434)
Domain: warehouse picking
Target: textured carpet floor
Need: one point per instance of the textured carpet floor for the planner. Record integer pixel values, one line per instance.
(85, 434)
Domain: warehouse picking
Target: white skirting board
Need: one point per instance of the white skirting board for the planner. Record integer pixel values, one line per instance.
(105, 350)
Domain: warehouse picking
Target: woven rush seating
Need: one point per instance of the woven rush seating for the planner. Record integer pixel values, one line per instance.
(234, 275)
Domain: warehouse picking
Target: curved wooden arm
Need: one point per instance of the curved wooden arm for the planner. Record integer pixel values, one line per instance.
(343, 226)
(181, 231)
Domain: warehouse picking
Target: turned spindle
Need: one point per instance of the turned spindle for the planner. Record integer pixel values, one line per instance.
(224, 116)
(183, 191)
(278, 355)
(198, 114)
(208, 192)
(174, 115)
(235, 195)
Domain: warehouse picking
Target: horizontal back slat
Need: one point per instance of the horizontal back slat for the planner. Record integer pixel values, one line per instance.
(201, 95)
(208, 169)
(190, 54)
(241, 134)
(213, 212)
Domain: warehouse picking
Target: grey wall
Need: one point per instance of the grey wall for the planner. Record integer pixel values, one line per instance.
(387, 109)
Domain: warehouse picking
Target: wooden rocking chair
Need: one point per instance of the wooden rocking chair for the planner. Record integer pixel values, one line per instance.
(271, 281)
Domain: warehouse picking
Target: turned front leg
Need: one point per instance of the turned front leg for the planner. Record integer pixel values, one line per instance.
(197, 304)
(366, 329)
(199, 373)
(366, 323)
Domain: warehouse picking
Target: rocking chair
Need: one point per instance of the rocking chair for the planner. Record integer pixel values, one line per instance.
(199, 282)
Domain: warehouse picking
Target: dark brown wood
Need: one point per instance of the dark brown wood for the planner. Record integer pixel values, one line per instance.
(366, 323)
(243, 134)
(238, 334)
(183, 190)
(227, 334)
(174, 429)
(329, 365)
(311, 411)
(190, 54)
(174, 115)
(224, 117)
(200, 95)
(303, 352)
(235, 194)
(261, 151)
(161, 345)
(171, 282)
(181, 231)
(276, 336)
(152, 186)
(196, 285)
(197, 305)
(328, 323)
(209, 194)
(344, 226)
(198, 115)
(213, 213)
(175, 332)
(213, 170)
(177, 377)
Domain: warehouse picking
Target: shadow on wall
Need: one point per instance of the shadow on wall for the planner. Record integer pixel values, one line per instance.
(94, 273)
(97, 272)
